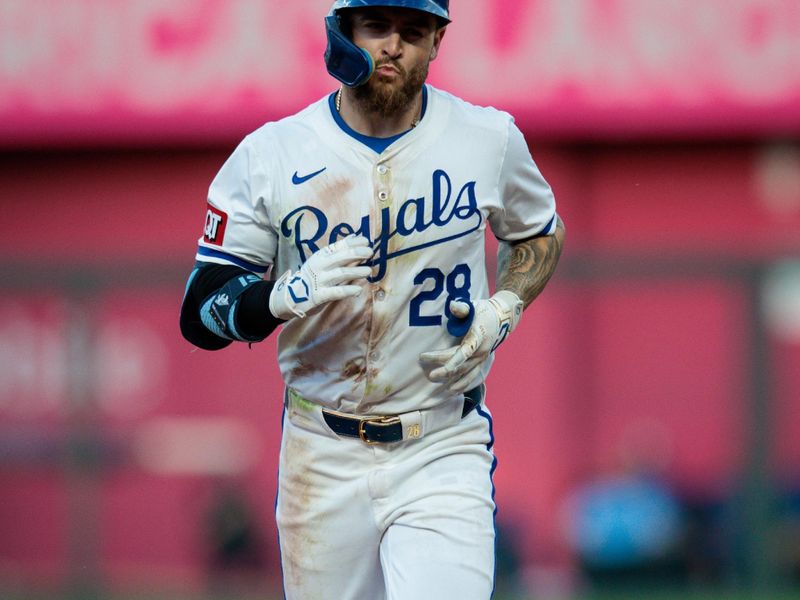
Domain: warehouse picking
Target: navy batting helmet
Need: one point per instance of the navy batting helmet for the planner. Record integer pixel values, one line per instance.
(347, 62)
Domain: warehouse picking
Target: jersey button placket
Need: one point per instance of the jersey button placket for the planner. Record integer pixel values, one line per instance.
(383, 184)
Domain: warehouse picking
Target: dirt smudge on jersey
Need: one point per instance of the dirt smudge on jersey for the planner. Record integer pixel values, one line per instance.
(367, 315)
(338, 313)
(336, 319)
(304, 369)
(332, 195)
(355, 369)
(315, 344)
(372, 374)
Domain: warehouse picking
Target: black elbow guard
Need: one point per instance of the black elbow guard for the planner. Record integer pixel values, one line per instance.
(218, 312)
(192, 327)
(223, 304)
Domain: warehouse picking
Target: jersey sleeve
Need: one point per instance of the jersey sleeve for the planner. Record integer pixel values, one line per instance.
(528, 205)
(237, 229)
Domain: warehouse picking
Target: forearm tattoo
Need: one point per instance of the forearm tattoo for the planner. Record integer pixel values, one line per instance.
(525, 267)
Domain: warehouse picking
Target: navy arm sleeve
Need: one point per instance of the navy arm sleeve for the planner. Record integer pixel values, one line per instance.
(250, 317)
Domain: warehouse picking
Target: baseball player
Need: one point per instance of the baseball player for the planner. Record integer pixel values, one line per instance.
(370, 208)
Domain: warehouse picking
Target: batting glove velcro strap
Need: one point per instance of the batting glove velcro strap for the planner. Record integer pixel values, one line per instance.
(328, 274)
(494, 318)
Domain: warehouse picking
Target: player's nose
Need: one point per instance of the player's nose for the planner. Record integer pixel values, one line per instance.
(393, 44)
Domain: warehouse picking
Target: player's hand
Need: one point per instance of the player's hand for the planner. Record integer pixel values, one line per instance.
(493, 320)
(328, 274)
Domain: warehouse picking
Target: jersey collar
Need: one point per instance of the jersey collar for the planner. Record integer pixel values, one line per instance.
(376, 144)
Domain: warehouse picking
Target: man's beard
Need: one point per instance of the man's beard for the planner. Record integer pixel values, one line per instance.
(384, 100)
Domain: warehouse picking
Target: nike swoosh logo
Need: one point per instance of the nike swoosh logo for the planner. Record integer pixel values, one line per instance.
(297, 179)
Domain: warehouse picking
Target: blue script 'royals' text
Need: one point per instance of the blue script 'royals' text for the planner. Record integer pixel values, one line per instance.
(413, 216)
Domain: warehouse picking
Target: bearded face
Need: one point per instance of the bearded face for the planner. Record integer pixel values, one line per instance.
(402, 43)
(384, 97)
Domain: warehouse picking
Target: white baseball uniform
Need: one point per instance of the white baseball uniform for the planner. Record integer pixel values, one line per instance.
(414, 518)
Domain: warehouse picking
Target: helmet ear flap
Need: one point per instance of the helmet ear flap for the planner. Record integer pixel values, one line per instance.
(348, 63)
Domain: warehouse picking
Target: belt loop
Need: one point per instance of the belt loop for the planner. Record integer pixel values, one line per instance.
(412, 425)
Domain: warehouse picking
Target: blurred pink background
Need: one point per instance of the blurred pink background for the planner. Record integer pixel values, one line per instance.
(666, 349)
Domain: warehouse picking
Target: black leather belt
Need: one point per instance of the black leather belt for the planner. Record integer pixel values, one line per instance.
(381, 430)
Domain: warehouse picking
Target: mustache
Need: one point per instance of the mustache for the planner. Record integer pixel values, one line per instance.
(391, 62)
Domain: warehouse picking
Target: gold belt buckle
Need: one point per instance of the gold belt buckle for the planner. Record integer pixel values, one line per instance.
(377, 420)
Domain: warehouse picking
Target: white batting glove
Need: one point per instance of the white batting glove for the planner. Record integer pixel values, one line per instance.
(493, 320)
(321, 279)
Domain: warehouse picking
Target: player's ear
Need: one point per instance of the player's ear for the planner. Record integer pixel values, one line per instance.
(437, 40)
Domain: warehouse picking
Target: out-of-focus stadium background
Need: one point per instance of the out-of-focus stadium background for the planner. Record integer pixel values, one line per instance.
(647, 413)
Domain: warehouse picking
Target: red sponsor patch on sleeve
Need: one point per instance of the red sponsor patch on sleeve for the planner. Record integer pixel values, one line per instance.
(214, 230)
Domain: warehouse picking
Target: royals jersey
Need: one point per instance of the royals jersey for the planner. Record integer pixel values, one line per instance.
(299, 184)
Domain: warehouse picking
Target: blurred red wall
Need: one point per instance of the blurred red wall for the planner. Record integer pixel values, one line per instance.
(612, 368)
(668, 131)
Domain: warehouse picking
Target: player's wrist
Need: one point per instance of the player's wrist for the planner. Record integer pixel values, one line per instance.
(509, 308)
(281, 303)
